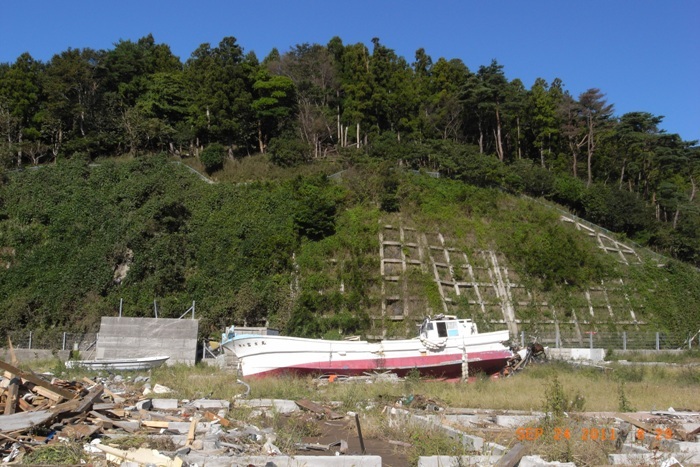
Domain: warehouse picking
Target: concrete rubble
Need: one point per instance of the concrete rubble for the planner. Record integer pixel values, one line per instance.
(39, 411)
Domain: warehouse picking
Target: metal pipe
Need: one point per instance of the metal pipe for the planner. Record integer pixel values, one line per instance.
(359, 433)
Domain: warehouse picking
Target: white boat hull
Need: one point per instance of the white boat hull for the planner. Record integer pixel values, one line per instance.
(119, 364)
(273, 355)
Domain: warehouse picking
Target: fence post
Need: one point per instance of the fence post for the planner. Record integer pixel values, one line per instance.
(30, 340)
(522, 338)
(557, 338)
(590, 339)
(624, 340)
(63, 345)
(657, 341)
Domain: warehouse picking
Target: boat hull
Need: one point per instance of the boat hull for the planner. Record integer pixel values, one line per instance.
(261, 356)
(121, 364)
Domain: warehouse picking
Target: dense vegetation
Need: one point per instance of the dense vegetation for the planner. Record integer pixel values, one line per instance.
(300, 254)
(623, 172)
(103, 217)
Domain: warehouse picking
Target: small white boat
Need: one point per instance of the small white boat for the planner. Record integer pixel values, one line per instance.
(119, 364)
(445, 347)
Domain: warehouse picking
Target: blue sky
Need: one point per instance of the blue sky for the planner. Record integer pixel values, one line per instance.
(643, 54)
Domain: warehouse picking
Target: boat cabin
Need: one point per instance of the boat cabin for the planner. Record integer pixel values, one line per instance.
(447, 326)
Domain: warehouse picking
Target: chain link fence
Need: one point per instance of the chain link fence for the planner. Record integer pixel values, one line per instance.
(623, 340)
(52, 340)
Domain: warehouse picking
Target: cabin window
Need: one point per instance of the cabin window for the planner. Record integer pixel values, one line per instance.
(441, 329)
(452, 329)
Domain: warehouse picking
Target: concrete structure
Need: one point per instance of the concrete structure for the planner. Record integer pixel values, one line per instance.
(448, 461)
(212, 460)
(146, 337)
(470, 442)
(30, 355)
(592, 355)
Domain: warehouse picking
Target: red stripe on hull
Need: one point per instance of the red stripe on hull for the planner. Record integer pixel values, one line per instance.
(441, 366)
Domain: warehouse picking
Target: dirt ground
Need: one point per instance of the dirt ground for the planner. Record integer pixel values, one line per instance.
(332, 431)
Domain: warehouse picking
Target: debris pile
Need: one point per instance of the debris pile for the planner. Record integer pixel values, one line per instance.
(101, 415)
(533, 352)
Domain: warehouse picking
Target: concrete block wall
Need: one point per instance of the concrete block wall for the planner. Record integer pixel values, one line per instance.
(30, 355)
(593, 355)
(148, 337)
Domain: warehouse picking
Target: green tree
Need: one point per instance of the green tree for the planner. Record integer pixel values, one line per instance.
(596, 113)
(72, 95)
(273, 104)
(486, 93)
(441, 108)
(221, 107)
(312, 70)
(20, 95)
(544, 126)
(212, 157)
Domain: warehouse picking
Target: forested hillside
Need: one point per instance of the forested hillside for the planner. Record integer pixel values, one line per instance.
(109, 216)
(303, 254)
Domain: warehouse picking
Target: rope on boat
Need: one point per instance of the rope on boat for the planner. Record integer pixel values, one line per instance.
(433, 345)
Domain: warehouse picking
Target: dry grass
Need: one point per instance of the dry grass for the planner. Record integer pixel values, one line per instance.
(645, 388)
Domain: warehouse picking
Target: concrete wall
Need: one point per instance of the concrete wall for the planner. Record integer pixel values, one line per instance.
(148, 337)
(29, 355)
(593, 355)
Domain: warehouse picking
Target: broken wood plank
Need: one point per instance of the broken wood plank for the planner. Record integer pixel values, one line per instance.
(25, 406)
(36, 380)
(155, 423)
(12, 396)
(190, 433)
(103, 406)
(115, 398)
(119, 413)
(644, 426)
(214, 417)
(13, 357)
(146, 415)
(25, 420)
(313, 447)
(48, 393)
(87, 402)
(318, 409)
(66, 407)
(512, 457)
(311, 406)
(129, 427)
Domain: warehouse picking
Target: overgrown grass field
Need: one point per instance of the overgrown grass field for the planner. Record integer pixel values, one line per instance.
(642, 387)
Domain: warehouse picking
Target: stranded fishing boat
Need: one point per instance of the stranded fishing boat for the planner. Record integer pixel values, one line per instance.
(445, 347)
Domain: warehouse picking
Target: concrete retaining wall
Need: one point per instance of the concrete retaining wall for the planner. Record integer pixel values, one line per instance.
(148, 337)
(593, 355)
(29, 355)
